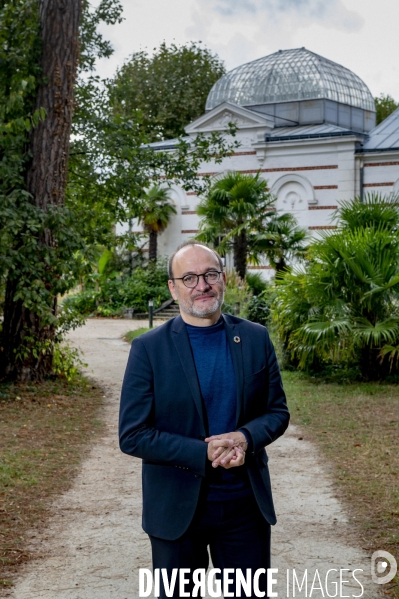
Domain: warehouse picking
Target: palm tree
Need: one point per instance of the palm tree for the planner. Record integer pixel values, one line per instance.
(344, 306)
(282, 242)
(236, 205)
(155, 216)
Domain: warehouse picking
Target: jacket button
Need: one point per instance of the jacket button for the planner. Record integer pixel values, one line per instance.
(201, 438)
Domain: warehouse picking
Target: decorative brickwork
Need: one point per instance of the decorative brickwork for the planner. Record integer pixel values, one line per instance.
(188, 212)
(244, 154)
(250, 267)
(190, 231)
(322, 207)
(325, 186)
(319, 227)
(381, 163)
(379, 184)
(280, 169)
(300, 168)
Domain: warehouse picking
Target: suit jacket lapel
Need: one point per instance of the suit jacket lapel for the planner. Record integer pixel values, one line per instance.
(183, 348)
(233, 330)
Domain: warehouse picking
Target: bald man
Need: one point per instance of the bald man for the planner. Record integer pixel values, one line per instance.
(201, 398)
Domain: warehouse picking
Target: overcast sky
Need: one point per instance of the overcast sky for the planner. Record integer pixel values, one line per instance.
(362, 35)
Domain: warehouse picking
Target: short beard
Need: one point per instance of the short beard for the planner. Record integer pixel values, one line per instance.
(192, 311)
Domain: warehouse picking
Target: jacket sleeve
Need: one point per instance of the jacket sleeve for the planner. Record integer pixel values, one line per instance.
(137, 435)
(272, 424)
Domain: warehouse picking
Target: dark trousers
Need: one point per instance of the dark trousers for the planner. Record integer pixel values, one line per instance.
(236, 533)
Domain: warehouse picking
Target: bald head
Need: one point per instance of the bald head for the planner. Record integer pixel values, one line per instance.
(193, 267)
(196, 246)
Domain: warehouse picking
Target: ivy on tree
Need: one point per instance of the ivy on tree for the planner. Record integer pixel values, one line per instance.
(49, 234)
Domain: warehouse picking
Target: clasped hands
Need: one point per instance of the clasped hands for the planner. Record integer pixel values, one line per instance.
(227, 450)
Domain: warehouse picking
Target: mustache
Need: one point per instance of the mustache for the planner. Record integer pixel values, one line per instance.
(210, 294)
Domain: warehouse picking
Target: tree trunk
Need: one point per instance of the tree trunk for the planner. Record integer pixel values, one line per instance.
(372, 368)
(280, 265)
(240, 254)
(153, 245)
(46, 179)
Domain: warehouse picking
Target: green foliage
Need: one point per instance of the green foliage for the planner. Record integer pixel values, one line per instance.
(19, 77)
(84, 303)
(281, 242)
(108, 170)
(155, 216)
(157, 209)
(166, 90)
(235, 207)
(19, 73)
(342, 308)
(237, 295)
(115, 292)
(67, 361)
(41, 249)
(384, 106)
(92, 43)
(256, 282)
(43, 271)
(259, 306)
(110, 166)
(239, 215)
(136, 333)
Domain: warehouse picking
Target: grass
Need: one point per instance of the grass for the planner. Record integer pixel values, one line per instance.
(357, 428)
(43, 430)
(133, 334)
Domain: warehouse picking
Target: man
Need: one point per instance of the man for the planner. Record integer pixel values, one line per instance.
(201, 398)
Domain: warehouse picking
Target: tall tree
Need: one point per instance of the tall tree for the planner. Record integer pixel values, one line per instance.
(384, 106)
(156, 213)
(45, 183)
(168, 89)
(236, 206)
(46, 245)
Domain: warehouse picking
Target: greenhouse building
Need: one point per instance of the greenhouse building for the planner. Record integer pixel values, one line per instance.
(308, 125)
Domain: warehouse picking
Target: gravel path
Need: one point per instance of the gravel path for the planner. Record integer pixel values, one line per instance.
(94, 546)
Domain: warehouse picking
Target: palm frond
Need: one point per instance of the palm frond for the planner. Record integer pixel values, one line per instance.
(392, 353)
(383, 331)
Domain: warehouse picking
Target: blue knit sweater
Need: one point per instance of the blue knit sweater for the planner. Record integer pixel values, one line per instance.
(217, 381)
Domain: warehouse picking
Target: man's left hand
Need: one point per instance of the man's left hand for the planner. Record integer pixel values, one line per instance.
(233, 456)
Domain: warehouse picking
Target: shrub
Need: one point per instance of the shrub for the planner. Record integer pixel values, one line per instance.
(342, 309)
(259, 307)
(237, 295)
(110, 294)
(84, 302)
(255, 282)
(66, 361)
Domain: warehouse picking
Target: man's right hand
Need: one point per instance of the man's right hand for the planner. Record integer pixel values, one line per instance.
(224, 452)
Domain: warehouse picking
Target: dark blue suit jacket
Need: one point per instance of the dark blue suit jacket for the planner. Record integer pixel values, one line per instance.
(162, 419)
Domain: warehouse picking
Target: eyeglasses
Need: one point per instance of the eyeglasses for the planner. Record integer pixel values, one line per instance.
(211, 277)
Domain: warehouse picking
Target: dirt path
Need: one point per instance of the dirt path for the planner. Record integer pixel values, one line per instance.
(94, 545)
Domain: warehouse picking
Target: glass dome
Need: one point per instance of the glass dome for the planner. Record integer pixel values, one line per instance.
(290, 75)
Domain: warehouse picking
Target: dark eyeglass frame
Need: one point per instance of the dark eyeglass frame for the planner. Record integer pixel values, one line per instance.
(204, 275)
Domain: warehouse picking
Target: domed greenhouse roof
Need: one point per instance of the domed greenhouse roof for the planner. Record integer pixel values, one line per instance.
(290, 75)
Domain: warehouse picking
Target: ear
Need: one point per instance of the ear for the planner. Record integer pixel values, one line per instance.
(172, 289)
(224, 280)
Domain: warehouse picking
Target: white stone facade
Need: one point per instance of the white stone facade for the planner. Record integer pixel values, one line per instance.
(309, 168)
